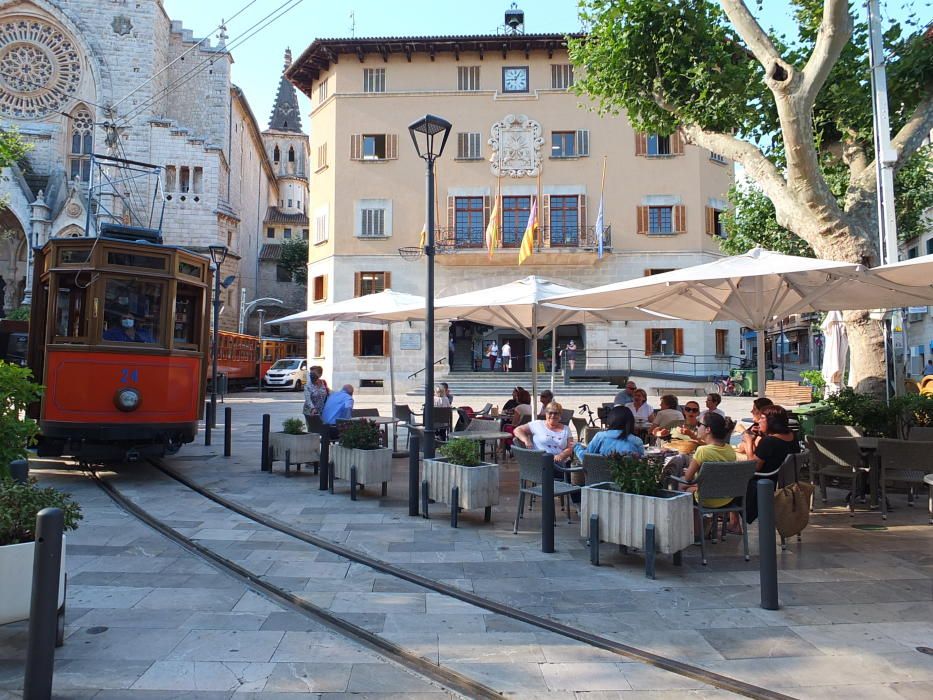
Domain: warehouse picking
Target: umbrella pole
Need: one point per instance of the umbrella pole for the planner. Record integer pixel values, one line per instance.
(391, 369)
(534, 362)
(553, 355)
(762, 374)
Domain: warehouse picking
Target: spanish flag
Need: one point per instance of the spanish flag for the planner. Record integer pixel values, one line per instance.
(531, 233)
(492, 228)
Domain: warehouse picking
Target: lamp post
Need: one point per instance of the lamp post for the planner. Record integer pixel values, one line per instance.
(429, 135)
(218, 255)
(262, 318)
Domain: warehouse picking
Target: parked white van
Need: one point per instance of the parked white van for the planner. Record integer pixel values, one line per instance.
(287, 373)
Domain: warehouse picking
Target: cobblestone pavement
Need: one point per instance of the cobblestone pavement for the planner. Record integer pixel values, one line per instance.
(856, 604)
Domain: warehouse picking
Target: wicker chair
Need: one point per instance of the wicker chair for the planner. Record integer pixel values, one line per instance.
(837, 431)
(579, 424)
(463, 420)
(836, 458)
(404, 413)
(595, 469)
(903, 462)
(443, 420)
(364, 412)
(530, 464)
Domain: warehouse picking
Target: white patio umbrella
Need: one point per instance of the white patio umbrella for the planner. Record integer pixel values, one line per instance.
(752, 289)
(916, 272)
(354, 310)
(520, 305)
(835, 349)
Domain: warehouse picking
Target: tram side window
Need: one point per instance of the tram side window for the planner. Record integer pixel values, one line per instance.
(187, 311)
(133, 310)
(71, 310)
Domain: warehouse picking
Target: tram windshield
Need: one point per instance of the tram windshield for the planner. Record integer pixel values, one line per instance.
(132, 310)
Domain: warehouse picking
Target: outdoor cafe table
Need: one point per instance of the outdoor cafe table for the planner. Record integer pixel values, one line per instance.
(481, 436)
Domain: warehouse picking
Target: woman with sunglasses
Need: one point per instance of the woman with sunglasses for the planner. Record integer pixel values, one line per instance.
(691, 426)
(548, 435)
(715, 431)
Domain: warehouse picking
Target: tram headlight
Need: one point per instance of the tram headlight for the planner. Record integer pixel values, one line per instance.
(127, 399)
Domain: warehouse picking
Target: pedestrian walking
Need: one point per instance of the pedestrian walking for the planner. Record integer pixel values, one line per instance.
(570, 354)
(506, 357)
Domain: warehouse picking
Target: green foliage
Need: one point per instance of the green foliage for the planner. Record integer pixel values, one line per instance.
(638, 475)
(17, 391)
(910, 410)
(814, 378)
(913, 194)
(359, 435)
(20, 503)
(461, 451)
(752, 223)
(294, 258)
(293, 426)
(12, 147)
(874, 416)
(20, 313)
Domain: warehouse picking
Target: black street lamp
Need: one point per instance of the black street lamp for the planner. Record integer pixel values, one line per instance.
(429, 135)
(218, 255)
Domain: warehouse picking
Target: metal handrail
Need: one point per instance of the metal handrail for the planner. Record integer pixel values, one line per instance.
(633, 360)
(440, 361)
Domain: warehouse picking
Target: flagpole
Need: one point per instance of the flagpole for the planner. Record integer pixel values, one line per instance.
(537, 234)
(600, 214)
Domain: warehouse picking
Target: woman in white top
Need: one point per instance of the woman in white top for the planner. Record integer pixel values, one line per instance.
(640, 407)
(440, 397)
(548, 435)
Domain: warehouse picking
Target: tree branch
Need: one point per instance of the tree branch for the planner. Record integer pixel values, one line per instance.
(777, 71)
(760, 169)
(915, 130)
(834, 33)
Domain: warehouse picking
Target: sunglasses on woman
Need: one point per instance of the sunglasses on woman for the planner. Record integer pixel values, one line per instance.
(687, 409)
(552, 413)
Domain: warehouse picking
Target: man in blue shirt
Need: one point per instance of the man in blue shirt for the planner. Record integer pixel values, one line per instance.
(339, 405)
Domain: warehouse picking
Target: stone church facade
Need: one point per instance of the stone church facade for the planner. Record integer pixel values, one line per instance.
(83, 77)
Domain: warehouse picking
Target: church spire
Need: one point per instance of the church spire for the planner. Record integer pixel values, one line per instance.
(285, 112)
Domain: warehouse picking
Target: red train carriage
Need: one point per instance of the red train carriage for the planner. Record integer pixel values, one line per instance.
(119, 330)
(244, 359)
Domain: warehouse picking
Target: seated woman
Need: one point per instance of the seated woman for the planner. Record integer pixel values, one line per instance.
(440, 397)
(618, 438)
(751, 436)
(510, 405)
(691, 426)
(777, 441)
(548, 435)
(521, 411)
(715, 431)
(667, 416)
(640, 407)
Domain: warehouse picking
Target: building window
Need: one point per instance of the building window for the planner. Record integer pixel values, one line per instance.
(304, 234)
(664, 341)
(322, 90)
(197, 179)
(469, 145)
(322, 156)
(370, 343)
(184, 179)
(318, 344)
(930, 246)
(374, 80)
(660, 219)
(515, 212)
(722, 341)
(373, 146)
(913, 252)
(570, 144)
(320, 228)
(716, 158)
(564, 223)
(468, 78)
(291, 154)
(561, 76)
(287, 233)
(276, 155)
(289, 203)
(282, 274)
(371, 283)
(319, 288)
(82, 143)
(270, 232)
(373, 223)
(469, 221)
(659, 145)
(715, 226)
(170, 178)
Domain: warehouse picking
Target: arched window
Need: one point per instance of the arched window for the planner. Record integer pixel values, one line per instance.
(291, 154)
(81, 144)
(276, 155)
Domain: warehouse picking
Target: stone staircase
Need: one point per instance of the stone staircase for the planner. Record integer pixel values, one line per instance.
(501, 384)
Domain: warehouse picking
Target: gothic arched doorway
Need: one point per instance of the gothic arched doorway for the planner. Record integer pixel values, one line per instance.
(12, 261)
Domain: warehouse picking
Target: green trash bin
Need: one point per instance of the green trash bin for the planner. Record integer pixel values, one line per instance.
(750, 380)
(807, 415)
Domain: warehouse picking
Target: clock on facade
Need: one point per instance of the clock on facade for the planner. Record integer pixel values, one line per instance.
(515, 79)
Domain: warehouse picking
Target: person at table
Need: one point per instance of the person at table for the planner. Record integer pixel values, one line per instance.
(338, 406)
(544, 399)
(627, 395)
(522, 408)
(315, 394)
(448, 393)
(751, 436)
(618, 437)
(440, 397)
(776, 442)
(666, 416)
(715, 430)
(548, 435)
(640, 407)
(690, 428)
(712, 405)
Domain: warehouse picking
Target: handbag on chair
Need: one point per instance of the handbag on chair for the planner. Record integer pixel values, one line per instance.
(792, 508)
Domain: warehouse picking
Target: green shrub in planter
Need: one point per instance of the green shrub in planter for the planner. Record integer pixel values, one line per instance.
(638, 475)
(17, 391)
(293, 426)
(360, 435)
(20, 503)
(461, 451)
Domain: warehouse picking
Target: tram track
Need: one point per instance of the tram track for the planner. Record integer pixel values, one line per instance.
(680, 668)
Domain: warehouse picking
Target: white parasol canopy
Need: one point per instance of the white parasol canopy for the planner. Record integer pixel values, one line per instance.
(916, 272)
(835, 349)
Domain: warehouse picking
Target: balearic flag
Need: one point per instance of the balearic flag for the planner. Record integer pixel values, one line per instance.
(599, 229)
(531, 231)
(492, 228)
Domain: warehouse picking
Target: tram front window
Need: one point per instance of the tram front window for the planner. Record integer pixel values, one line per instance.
(70, 313)
(132, 311)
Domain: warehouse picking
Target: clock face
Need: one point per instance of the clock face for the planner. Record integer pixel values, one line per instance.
(515, 79)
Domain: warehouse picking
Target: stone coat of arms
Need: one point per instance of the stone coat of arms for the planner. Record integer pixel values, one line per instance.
(516, 146)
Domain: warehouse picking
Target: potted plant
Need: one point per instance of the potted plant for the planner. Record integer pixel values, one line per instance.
(634, 499)
(302, 447)
(460, 465)
(359, 445)
(19, 505)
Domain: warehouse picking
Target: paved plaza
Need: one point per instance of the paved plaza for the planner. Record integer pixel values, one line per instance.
(148, 619)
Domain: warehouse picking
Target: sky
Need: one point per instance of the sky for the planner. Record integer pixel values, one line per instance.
(258, 59)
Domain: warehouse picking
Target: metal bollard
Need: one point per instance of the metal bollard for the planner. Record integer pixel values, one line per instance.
(288, 462)
(352, 482)
(649, 550)
(330, 478)
(594, 539)
(414, 458)
(324, 461)
(425, 491)
(19, 471)
(43, 608)
(767, 554)
(228, 431)
(454, 505)
(208, 422)
(266, 464)
(547, 506)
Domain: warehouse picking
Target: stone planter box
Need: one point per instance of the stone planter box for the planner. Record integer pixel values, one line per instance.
(302, 449)
(372, 466)
(479, 485)
(623, 519)
(16, 584)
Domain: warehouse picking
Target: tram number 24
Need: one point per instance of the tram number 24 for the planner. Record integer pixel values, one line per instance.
(129, 375)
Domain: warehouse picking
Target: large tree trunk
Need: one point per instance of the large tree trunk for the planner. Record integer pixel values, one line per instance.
(867, 372)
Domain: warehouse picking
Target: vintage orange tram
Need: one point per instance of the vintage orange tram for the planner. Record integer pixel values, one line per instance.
(118, 337)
